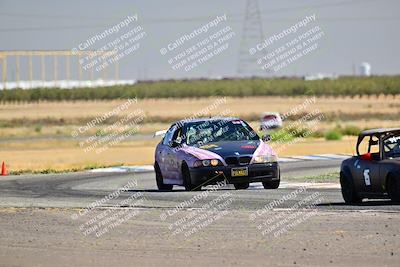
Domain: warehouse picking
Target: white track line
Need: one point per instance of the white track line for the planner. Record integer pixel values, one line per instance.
(335, 156)
(311, 157)
(142, 168)
(284, 184)
(287, 159)
(309, 185)
(149, 168)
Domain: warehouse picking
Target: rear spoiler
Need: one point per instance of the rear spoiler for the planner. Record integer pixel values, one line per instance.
(160, 133)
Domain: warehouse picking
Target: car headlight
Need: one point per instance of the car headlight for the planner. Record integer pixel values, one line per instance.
(214, 162)
(265, 159)
(207, 163)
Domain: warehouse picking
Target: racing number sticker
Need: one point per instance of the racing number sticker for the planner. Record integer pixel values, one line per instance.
(366, 177)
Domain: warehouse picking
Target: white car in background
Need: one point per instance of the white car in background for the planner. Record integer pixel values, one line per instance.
(270, 120)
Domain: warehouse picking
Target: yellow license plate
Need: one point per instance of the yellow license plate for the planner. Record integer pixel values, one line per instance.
(239, 172)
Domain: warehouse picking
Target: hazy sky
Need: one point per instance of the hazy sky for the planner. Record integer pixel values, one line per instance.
(354, 32)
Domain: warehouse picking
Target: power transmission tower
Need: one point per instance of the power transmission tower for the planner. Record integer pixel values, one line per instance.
(252, 34)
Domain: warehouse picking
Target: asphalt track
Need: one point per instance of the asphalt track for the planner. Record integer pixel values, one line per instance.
(44, 221)
(78, 190)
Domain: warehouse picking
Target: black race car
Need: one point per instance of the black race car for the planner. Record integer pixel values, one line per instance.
(375, 171)
(199, 152)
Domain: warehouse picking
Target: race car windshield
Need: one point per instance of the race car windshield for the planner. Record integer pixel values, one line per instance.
(200, 133)
(391, 146)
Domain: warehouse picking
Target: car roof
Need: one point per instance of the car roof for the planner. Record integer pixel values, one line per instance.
(184, 121)
(378, 131)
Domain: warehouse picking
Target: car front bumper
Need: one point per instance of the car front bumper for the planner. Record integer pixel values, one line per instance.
(256, 173)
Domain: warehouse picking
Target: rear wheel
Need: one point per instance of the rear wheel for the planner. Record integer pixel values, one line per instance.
(393, 188)
(349, 192)
(159, 179)
(187, 180)
(241, 186)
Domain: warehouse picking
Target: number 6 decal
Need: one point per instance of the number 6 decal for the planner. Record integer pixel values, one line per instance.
(366, 177)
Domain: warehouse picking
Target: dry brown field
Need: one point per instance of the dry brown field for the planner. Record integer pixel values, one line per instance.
(23, 152)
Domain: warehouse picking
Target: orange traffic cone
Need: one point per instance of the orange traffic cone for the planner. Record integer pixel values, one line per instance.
(3, 169)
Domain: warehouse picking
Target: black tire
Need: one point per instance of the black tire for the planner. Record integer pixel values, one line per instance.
(393, 188)
(187, 181)
(272, 184)
(241, 186)
(159, 180)
(349, 192)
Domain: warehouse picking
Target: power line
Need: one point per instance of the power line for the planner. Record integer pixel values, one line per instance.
(252, 33)
(73, 27)
(234, 17)
(320, 5)
(269, 11)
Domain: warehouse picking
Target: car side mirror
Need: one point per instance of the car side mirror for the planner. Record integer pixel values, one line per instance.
(266, 137)
(174, 143)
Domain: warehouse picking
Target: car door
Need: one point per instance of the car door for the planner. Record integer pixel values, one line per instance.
(164, 154)
(367, 167)
(169, 154)
(368, 175)
(173, 154)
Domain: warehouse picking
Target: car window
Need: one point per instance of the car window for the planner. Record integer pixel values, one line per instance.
(200, 133)
(369, 147)
(168, 136)
(178, 136)
(391, 146)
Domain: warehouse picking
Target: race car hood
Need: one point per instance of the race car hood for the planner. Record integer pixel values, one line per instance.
(230, 148)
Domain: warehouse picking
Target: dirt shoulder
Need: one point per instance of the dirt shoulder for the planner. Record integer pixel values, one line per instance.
(49, 237)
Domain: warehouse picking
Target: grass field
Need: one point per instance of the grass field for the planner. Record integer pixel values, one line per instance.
(61, 118)
(284, 86)
(67, 155)
(37, 136)
(165, 109)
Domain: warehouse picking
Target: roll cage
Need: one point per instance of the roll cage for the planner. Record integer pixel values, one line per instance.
(381, 135)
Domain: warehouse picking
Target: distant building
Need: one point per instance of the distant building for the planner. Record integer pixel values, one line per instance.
(64, 84)
(365, 69)
(320, 76)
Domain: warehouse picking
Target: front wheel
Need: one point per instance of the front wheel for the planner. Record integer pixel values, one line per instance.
(159, 179)
(240, 186)
(349, 192)
(187, 180)
(271, 184)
